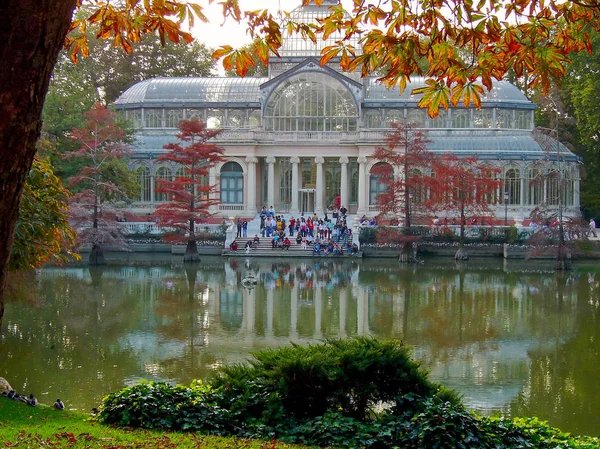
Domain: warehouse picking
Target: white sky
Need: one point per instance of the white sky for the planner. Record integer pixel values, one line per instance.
(215, 33)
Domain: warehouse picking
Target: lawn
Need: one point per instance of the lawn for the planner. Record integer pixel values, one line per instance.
(22, 426)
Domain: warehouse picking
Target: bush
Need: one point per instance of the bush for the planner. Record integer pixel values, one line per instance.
(161, 405)
(351, 376)
(325, 395)
(367, 235)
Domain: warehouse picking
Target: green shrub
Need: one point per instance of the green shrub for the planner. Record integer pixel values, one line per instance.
(351, 376)
(367, 235)
(325, 395)
(161, 405)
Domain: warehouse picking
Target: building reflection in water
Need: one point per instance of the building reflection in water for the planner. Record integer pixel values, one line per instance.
(496, 334)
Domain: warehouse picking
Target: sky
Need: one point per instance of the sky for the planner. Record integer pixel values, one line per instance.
(215, 33)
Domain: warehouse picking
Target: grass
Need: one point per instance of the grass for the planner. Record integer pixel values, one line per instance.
(22, 426)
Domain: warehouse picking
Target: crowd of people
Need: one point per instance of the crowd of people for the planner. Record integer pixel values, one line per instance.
(324, 235)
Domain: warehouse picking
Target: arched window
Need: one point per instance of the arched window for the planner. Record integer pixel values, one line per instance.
(235, 118)
(135, 118)
(534, 187)
(254, 119)
(153, 118)
(393, 116)
(461, 118)
(417, 190)
(194, 114)
(173, 117)
(372, 119)
(353, 182)
(285, 183)
(376, 186)
(232, 183)
(215, 119)
(523, 120)
(504, 118)
(567, 188)
(143, 179)
(483, 118)
(440, 121)
(417, 117)
(512, 185)
(311, 101)
(161, 173)
(552, 189)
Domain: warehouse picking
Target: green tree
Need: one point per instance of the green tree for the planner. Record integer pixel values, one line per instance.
(106, 74)
(42, 233)
(582, 90)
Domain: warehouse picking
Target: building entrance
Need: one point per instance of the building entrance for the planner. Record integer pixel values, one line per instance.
(307, 200)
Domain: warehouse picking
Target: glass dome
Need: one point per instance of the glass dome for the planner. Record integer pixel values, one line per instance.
(165, 91)
(311, 101)
(502, 92)
(295, 46)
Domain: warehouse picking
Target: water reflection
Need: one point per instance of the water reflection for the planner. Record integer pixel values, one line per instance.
(509, 338)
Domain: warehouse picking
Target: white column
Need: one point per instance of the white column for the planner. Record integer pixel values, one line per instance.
(295, 187)
(362, 190)
(294, 314)
(343, 311)
(271, 181)
(214, 194)
(270, 307)
(319, 190)
(318, 311)
(249, 311)
(344, 182)
(251, 195)
(361, 311)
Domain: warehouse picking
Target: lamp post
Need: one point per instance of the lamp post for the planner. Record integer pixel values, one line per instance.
(506, 196)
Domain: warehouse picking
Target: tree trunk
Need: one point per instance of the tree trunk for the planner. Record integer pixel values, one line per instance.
(191, 252)
(461, 254)
(97, 256)
(408, 253)
(563, 258)
(32, 34)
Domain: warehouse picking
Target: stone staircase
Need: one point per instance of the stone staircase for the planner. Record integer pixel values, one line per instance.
(264, 248)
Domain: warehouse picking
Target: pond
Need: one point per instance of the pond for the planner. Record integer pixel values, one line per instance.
(514, 338)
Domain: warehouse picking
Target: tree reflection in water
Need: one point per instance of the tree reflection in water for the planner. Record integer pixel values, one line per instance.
(512, 339)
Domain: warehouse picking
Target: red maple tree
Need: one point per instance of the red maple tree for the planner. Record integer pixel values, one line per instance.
(188, 195)
(104, 177)
(404, 167)
(464, 188)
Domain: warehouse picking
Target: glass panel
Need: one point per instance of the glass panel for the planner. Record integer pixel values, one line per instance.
(504, 118)
(173, 117)
(483, 118)
(440, 121)
(143, 179)
(161, 173)
(153, 118)
(552, 183)
(534, 185)
(311, 101)
(512, 185)
(135, 118)
(461, 118)
(418, 117)
(393, 116)
(375, 186)
(523, 120)
(232, 183)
